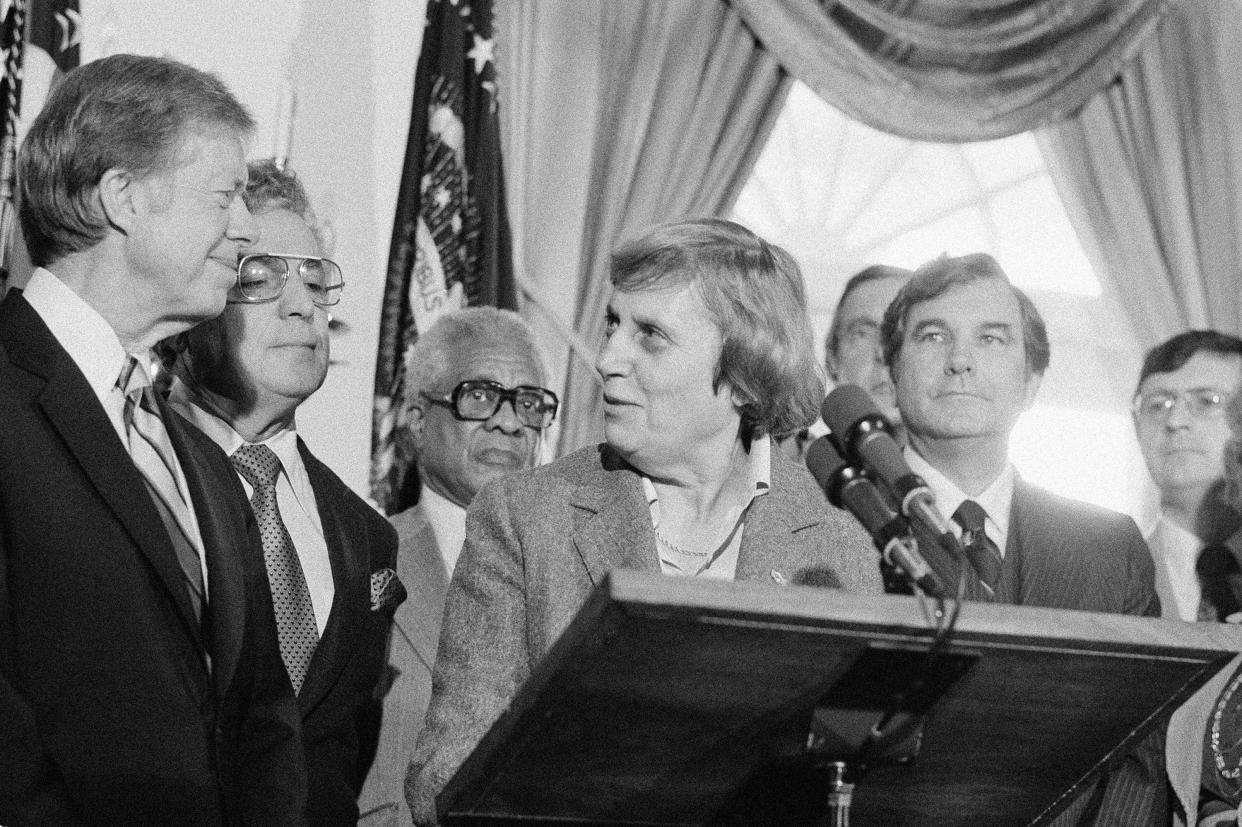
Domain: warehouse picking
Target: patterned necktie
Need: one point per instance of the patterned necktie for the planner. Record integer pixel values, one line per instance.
(983, 554)
(295, 616)
(152, 452)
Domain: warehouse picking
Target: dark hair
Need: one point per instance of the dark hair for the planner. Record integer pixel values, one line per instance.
(937, 277)
(1172, 354)
(876, 272)
(753, 291)
(126, 112)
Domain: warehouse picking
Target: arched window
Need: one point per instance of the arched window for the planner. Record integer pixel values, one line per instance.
(841, 196)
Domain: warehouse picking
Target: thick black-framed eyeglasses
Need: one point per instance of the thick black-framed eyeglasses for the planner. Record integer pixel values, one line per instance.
(475, 400)
(262, 278)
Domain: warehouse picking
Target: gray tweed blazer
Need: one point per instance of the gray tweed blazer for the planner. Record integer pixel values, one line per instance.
(538, 541)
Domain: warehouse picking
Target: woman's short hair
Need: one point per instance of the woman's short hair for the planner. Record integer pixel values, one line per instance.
(126, 112)
(269, 187)
(754, 293)
(937, 277)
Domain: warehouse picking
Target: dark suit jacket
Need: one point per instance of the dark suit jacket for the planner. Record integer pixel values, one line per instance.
(411, 657)
(108, 710)
(1065, 554)
(339, 689)
(538, 541)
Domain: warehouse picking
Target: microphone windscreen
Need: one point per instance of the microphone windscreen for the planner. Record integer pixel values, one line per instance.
(823, 460)
(844, 406)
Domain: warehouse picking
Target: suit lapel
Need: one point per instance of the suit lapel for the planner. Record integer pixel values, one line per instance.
(768, 542)
(612, 526)
(349, 554)
(1009, 590)
(421, 568)
(74, 411)
(223, 546)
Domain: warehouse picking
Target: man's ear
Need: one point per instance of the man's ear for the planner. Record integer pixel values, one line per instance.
(119, 199)
(411, 436)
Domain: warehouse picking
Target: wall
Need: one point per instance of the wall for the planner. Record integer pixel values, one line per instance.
(353, 75)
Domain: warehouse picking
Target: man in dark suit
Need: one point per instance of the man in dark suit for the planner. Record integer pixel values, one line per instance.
(139, 677)
(967, 351)
(330, 557)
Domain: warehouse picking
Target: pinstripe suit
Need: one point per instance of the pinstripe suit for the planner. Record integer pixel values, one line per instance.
(538, 541)
(1064, 554)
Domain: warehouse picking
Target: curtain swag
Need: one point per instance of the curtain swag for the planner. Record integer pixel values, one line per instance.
(953, 70)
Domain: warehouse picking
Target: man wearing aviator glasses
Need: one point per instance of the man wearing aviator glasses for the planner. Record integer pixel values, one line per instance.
(477, 411)
(330, 558)
(1179, 417)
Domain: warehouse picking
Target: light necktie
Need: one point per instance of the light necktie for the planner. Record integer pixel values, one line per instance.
(295, 615)
(983, 554)
(152, 452)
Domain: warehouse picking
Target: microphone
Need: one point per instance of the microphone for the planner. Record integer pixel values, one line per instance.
(848, 487)
(865, 436)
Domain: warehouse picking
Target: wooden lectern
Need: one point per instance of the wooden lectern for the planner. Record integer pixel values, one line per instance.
(675, 701)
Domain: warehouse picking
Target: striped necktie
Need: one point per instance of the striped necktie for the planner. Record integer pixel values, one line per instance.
(295, 615)
(152, 452)
(983, 554)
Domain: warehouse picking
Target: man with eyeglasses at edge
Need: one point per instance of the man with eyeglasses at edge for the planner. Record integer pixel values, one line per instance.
(1184, 387)
(477, 411)
(1183, 407)
(330, 557)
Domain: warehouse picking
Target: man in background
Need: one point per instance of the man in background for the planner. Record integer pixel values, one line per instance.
(853, 352)
(1184, 388)
(330, 558)
(478, 412)
(967, 352)
(140, 681)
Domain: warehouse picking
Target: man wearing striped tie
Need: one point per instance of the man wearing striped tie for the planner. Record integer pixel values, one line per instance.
(140, 679)
(967, 351)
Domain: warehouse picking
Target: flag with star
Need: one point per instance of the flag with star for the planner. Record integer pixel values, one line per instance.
(40, 40)
(450, 242)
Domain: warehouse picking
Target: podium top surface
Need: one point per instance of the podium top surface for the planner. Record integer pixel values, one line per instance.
(675, 701)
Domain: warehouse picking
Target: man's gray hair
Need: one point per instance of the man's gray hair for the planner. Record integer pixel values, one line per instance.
(434, 360)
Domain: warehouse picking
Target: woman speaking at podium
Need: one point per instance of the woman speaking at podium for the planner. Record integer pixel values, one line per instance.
(706, 357)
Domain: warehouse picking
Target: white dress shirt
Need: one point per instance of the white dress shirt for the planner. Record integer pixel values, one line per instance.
(996, 500)
(94, 347)
(448, 524)
(1175, 552)
(294, 497)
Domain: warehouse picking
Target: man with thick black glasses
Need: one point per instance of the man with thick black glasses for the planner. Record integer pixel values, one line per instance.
(478, 410)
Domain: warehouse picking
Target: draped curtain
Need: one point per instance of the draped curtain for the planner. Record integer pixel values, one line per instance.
(966, 70)
(1149, 172)
(687, 98)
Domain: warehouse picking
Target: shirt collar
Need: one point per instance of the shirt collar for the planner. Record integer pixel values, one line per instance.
(85, 335)
(284, 443)
(996, 499)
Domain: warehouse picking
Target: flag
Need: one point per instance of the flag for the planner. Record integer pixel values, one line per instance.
(40, 40)
(450, 240)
